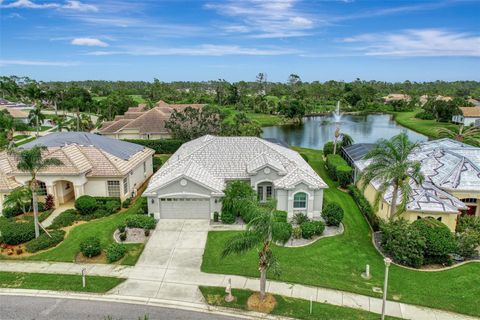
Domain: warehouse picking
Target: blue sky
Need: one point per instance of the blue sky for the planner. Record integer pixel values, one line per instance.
(234, 40)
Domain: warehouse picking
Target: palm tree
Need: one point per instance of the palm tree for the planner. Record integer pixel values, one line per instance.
(469, 135)
(61, 123)
(259, 234)
(390, 165)
(36, 117)
(20, 197)
(347, 140)
(32, 161)
(8, 125)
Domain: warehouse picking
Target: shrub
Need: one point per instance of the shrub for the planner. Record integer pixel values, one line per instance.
(123, 236)
(49, 202)
(90, 247)
(44, 241)
(308, 229)
(216, 216)
(121, 228)
(126, 203)
(104, 200)
(146, 232)
(282, 231)
(280, 216)
(86, 205)
(319, 227)
(344, 175)
(300, 218)
(157, 163)
(439, 240)
(403, 243)
(44, 215)
(337, 166)
(112, 206)
(239, 200)
(467, 243)
(365, 207)
(65, 219)
(297, 232)
(304, 156)
(41, 207)
(14, 233)
(332, 213)
(227, 217)
(425, 116)
(466, 222)
(143, 208)
(161, 146)
(115, 252)
(100, 213)
(9, 212)
(141, 221)
(328, 148)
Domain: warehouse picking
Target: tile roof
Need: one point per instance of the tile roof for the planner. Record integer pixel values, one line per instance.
(212, 161)
(448, 166)
(473, 112)
(16, 113)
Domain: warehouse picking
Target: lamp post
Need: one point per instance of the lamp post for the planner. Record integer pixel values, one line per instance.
(387, 261)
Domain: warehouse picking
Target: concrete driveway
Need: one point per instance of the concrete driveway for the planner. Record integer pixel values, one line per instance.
(172, 255)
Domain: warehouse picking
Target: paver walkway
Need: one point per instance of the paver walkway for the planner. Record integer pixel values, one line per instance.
(69, 205)
(169, 269)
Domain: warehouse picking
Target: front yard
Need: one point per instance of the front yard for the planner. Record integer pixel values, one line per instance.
(337, 262)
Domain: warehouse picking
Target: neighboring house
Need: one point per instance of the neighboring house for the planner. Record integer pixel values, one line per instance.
(140, 123)
(452, 183)
(396, 97)
(469, 116)
(423, 99)
(92, 165)
(17, 114)
(15, 105)
(474, 102)
(190, 184)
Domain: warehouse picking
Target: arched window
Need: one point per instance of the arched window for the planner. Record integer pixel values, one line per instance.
(300, 200)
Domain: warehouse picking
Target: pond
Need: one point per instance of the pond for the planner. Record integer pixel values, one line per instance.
(316, 131)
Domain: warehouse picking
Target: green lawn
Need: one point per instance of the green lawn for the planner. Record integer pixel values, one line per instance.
(20, 137)
(24, 141)
(266, 120)
(60, 282)
(425, 127)
(102, 228)
(337, 262)
(287, 307)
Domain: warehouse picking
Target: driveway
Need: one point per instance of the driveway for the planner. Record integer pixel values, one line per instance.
(171, 262)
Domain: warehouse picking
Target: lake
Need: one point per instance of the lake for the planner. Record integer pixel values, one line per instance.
(316, 131)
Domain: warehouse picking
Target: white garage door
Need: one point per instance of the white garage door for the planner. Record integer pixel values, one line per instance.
(186, 208)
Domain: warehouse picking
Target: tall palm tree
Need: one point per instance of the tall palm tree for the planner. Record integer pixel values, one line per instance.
(259, 234)
(32, 161)
(61, 123)
(8, 125)
(469, 135)
(347, 140)
(390, 165)
(36, 117)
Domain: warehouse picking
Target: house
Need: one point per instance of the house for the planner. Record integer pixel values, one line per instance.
(396, 97)
(451, 186)
(190, 184)
(17, 114)
(92, 165)
(142, 123)
(424, 98)
(469, 116)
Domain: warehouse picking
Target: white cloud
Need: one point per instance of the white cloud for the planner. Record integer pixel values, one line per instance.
(202, 50)
(72, 5)
(91, 42)
(37, 63)
(417, 43)
(265, 19)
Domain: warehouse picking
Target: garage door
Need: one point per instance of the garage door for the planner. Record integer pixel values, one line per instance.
(192, 208)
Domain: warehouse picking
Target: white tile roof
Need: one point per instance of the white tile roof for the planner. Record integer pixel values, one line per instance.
(212, 160)
(448, 166)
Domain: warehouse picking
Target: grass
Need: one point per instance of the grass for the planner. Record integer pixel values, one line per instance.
(60, 282)
(266, 120)
(25, 141)
(286, 306)
(428, 128)
(102, 228)
(337, 262)
(20, 137)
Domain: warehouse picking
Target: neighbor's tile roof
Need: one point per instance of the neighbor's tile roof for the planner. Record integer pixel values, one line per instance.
(447, 165)
(16, 113)
(470, 111)
(97, 158)
(212, 161)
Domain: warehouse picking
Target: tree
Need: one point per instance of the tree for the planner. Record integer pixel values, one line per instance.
(469, 135)
(192, 123)
(259, 234)
(61, 123)
(292, 109)
(347, 140)
(36, 117)
(391, 166)
(20, 197)
(32, 161)
(7, 125)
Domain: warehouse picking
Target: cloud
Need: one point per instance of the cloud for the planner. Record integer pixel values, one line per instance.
(7, 62)
(91, 42)
(72, 5)
(265, 19)
(202, 50)
(417, 43)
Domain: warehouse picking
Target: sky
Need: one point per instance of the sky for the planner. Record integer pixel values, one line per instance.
(236, 39)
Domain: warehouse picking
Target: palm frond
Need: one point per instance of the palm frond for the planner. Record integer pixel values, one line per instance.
(241, 243)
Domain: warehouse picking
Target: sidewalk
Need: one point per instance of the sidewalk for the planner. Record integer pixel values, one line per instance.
(181, 285)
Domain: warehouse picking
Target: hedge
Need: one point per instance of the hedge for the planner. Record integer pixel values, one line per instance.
(438, 239)
(14, 233)
(328, 148)
(86, 204)
(104, 200)
(308, 229)
(65, 219)
(115, 252)
(280, 216)
(332, 213)
(282, 231)
(141, 221)
(365, 207)
(9, 212)
(338, 169)
(163, 146)
(90, 247)
(44, 241)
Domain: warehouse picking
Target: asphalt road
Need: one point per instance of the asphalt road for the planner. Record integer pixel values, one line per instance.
(38, 308)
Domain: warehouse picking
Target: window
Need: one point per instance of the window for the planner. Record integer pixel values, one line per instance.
(300, 200)
(260, 193)
(469, 200)
(41, 188)
(145, 167)
(113, 188)
(125, 185)
(264, 191)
